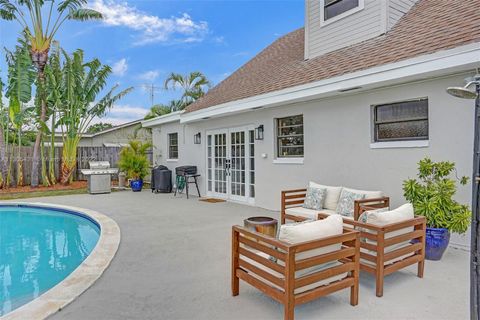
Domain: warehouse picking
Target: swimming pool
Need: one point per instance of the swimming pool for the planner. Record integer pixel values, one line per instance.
(39, 247)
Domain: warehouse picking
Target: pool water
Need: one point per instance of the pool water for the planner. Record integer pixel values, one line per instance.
(39, 248)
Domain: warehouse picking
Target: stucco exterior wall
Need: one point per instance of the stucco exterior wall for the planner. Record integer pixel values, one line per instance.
(337, 143)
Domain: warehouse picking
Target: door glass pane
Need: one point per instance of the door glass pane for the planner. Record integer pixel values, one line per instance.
(251, 134)
(220, 158)
(237, 154)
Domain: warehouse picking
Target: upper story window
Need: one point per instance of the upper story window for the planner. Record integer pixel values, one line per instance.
(290, 137)
(332, 10)
(173, 145)
(401, 121)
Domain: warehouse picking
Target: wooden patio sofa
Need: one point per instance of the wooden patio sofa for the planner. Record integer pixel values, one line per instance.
(380, 253)
(296, 197)
(280, 280)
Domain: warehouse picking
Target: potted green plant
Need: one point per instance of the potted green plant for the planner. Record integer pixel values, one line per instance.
(134, 162)
(432, 195)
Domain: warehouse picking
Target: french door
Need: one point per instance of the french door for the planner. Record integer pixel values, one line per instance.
(231, 164)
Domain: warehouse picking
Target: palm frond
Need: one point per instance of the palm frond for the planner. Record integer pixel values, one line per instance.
(71, 5)
(84, 14)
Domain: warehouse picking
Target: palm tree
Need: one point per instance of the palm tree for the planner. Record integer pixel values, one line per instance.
(163, 109)
(41, 31)
(73, 91)
(3, 143)
(193, 86)
(21, 76)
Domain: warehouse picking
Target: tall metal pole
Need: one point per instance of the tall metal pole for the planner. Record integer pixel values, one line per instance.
(475, 241)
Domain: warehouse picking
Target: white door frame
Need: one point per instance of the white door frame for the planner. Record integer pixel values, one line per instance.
(228, 195)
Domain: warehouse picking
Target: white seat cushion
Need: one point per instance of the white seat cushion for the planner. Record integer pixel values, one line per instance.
(308, 213)
(387, 250)
(282, 276)
(332, 196)
(368, 194)
(302, 212)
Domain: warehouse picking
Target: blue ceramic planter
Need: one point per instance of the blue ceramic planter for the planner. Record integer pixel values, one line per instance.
(436, 243)
(136, 185)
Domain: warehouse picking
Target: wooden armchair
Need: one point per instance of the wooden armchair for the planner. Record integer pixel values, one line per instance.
(296, 197)
(382, 254)
(281, 280)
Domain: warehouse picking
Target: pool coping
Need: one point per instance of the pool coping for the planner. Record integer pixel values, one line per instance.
(83, 277)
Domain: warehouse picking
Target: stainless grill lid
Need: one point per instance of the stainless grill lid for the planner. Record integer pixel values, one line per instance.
(99, 165)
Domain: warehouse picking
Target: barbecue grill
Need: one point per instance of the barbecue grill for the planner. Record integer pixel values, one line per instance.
(185, 170)
(185, 174)
(99, 177)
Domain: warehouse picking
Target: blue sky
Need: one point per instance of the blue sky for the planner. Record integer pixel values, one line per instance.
(144, 40)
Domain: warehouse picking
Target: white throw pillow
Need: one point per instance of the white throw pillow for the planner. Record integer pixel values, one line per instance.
(379, 218)
(332, 196)
(402, 213)
(368, 194)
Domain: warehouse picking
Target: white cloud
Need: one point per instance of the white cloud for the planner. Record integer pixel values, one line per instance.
(152, 29)
(127, 111)
(122, 113)
(120, 67)
(149, 76)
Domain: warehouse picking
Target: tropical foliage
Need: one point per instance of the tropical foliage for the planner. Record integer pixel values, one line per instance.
(73, 87)
(134, 161)
(432, 196)
(40, 23)
(162, 109)
(193, 86)
(98, 127)
(21, 76)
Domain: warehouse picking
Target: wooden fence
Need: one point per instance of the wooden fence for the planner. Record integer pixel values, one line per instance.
(84, 155)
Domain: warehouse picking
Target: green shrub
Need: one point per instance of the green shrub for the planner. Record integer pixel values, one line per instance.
(133, 160)
(432, 196)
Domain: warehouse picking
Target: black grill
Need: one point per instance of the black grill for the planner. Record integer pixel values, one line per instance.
(185, 170)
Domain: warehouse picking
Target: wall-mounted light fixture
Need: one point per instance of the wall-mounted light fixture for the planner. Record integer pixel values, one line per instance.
(197, 138)
(259, 132)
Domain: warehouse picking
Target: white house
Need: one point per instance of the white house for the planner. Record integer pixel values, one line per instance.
(356, 98)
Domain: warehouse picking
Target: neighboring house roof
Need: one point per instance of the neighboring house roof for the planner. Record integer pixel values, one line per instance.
(120, 126)
(430, 26)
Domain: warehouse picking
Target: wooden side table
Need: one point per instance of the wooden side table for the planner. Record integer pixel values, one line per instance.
(265, 225)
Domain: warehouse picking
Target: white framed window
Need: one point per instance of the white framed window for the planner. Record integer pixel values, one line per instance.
(333, 10)
(403, 121)
(173, 146)
(289, 137)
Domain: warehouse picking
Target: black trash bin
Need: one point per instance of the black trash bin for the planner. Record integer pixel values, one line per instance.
(161, 180)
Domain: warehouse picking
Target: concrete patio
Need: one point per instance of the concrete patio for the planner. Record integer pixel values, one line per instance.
(174, 263)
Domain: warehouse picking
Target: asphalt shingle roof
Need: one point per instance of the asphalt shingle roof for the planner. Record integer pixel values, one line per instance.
(430, 26)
